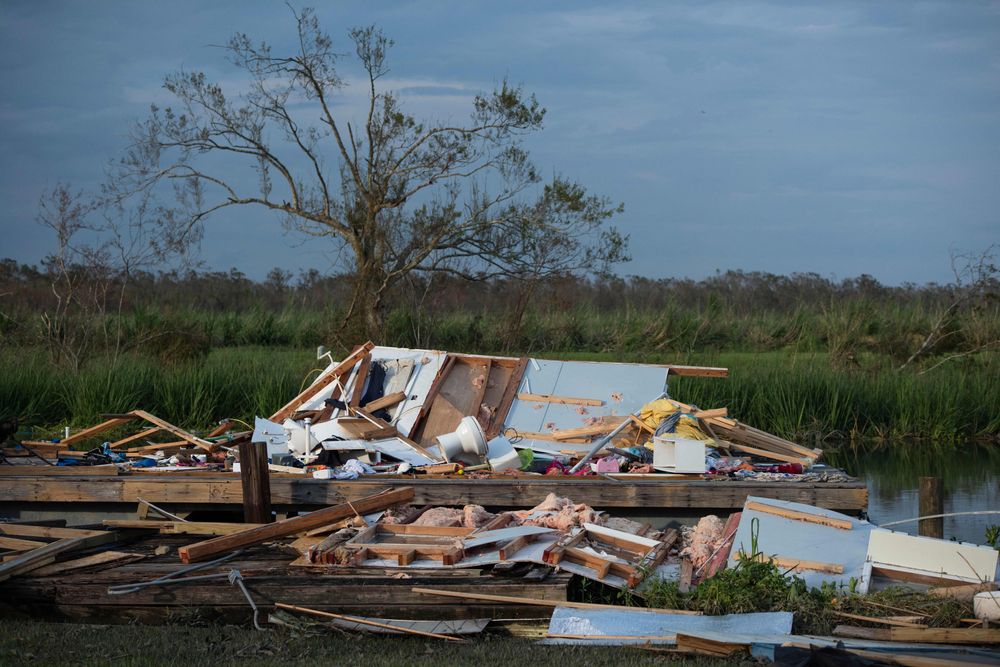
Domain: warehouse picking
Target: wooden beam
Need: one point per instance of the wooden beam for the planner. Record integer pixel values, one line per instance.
(227, 543)
(213, 528)
(878, 619)
(322, 382)
(788, 562)
(27, 530)
(360, 378)
(102, 558)
(795, 515)
(561, 400)
(365, 621)
(94, 430)
(17, 544)
(385, 402)
(46, 555)
(179, 432)
(138, 436)
(223, 428)
(698, 371)
(256, 483)
(507, 399)
(946, 635)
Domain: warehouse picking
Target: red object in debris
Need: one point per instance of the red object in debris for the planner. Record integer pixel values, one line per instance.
(790, 468)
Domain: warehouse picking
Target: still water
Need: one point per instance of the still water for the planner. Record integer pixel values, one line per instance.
(970, 472)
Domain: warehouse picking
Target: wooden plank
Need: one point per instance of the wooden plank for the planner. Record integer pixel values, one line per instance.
(222, 428)
(179, 432)
(322, 382)
(842, 524)
(441, 468)
(17, 544)
(857, 632)
(764, 453)
(788, 562)
(43, 556)
(432, 392)
(227, 543)
(946, 635)
(95, 430)
(102, 558)
(385, 402)
(221, 488)
(410, 529)
(360, 378)
(877, 619)
(928, 578)
(506, 398)
(213, 528)
(560, 400)
(538, 602)
(365, 621)
(711, 647)
(137, 436)
(697, 371)
(27, 530)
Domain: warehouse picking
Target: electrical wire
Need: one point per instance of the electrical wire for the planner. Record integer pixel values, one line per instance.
(939, 516)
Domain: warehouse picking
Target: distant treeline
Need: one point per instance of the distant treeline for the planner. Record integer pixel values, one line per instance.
(184, 315)
(28, 288)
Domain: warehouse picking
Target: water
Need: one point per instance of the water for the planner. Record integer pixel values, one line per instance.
(970, 472)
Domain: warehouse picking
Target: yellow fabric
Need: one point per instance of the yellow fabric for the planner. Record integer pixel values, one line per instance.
(652, 414)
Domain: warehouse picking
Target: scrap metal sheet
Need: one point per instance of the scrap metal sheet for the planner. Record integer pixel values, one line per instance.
(624, 388)
(643, 624)
(789, 538)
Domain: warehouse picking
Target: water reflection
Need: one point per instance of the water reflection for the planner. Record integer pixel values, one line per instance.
(971, 475)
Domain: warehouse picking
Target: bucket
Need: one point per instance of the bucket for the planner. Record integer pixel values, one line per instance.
(986, 606)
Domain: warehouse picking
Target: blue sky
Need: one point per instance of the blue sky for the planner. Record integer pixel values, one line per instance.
(839, 138)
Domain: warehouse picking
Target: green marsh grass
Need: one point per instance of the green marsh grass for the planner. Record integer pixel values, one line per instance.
(800, 395)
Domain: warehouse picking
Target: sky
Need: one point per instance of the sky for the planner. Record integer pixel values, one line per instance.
(837, 138)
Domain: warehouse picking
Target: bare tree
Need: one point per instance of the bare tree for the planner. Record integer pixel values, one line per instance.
(396, 194)
(99, 247)
(976, 285)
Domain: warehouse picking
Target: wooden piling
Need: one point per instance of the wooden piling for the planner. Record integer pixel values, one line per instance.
(256, 483)
(931, 503)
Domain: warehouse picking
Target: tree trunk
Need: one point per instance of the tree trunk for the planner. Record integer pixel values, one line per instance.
(368, 311)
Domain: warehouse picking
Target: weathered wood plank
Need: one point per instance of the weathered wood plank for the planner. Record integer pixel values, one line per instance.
(226, 543)
(512, 492)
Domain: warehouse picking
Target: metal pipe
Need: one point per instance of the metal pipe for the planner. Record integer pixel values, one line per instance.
(606, 439)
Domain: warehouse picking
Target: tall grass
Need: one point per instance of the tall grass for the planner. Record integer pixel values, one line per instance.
(845, 329)
(232, 382)
(801, 395)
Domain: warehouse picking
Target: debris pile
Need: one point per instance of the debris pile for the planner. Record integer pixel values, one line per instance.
(383, 538)
(385, 410)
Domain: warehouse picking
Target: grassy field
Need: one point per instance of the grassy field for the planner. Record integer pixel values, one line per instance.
(806, 395)
(36, 643)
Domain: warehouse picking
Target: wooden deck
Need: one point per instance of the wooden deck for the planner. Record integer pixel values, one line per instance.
(83, 594)
(289, 492)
